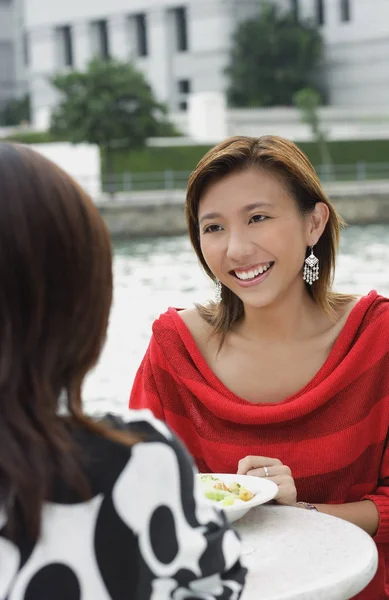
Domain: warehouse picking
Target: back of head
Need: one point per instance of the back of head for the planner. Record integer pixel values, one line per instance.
(55, 296)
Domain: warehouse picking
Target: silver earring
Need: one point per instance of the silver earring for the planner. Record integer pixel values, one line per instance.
(218, 291)
(311, 268)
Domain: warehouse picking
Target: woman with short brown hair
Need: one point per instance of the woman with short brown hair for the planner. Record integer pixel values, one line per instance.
(280, 376)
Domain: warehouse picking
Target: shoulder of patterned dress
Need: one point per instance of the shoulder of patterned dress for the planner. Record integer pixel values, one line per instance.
(142, 422)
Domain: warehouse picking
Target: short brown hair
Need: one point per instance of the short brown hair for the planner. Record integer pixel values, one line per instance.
(284, 159)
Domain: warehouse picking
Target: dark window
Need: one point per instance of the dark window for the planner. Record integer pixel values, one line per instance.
(320, 12)
(181, 27)
(65, 46)
(345, 11)
(141, 34)
(295, 9)
(183, 105)
(102, 38)
(184, 86)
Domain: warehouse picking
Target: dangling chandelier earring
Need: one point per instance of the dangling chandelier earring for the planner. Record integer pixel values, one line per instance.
(311, 268)
(218, 291)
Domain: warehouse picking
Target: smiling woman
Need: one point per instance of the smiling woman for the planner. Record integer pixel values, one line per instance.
(267, 179)
(282, 378)
(243, 242)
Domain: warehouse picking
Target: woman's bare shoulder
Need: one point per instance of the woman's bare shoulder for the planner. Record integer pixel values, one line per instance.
(197, 325)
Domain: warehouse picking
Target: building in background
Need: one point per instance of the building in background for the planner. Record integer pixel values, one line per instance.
(182, 46)
(356, 36)
(13, 82)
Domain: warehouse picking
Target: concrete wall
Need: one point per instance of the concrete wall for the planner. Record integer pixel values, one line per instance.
(81, 161)
(340, 123)
(125, 220)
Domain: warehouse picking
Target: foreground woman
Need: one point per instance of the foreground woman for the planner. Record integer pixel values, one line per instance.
(89, 510)
(280, 377)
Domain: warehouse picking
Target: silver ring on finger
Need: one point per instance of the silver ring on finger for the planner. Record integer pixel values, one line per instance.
(267, 474)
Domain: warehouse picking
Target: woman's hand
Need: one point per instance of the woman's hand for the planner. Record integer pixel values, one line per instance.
(274, 470)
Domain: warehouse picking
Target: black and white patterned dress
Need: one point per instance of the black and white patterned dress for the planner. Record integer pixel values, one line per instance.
(146, 534)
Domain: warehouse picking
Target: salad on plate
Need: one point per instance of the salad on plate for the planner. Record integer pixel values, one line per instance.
(227, 494)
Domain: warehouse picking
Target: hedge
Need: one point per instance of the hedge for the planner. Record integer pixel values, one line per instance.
(35, 137)
(184, 158)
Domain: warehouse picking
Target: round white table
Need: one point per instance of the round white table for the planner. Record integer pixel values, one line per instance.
(297, 554)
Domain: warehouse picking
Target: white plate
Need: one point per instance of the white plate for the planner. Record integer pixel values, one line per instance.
(263, 489)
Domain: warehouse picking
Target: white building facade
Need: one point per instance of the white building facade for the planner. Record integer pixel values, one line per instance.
(183, 46)
(180, 45)
(356, 36)
(12, 51)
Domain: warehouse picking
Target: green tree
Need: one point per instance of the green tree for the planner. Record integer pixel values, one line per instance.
(308, 101)
(273, 56)
(111, 105)
(16, 112)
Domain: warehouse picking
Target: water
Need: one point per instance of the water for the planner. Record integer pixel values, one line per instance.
(151, 275)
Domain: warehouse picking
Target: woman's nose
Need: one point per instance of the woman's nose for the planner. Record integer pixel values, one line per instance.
(239, 247)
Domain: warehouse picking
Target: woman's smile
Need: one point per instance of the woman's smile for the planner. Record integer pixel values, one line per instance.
(247, 277)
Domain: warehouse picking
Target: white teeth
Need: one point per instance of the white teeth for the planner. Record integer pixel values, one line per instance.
(244, 275)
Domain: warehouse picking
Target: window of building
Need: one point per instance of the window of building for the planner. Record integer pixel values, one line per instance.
(184, 86)
(181, 28)
(65, 46)
(100, 41)
(345, 11)
(295, 9)
(320, 16)
(141, 37)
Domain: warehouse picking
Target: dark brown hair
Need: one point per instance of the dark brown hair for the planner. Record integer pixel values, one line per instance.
(55, 298)
(285, 160)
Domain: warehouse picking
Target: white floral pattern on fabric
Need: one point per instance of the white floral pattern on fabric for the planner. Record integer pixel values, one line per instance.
(155, 491)
(147, 535)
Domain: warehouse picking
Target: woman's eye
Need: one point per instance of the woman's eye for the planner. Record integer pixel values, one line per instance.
(257, 218)
(212, 228)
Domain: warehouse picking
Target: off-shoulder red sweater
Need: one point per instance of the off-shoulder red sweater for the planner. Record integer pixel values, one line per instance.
(333, 434)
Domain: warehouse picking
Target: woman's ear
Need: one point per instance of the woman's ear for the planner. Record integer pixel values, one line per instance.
(317, 221)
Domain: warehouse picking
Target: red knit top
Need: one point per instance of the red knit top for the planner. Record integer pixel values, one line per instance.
(333, 434)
